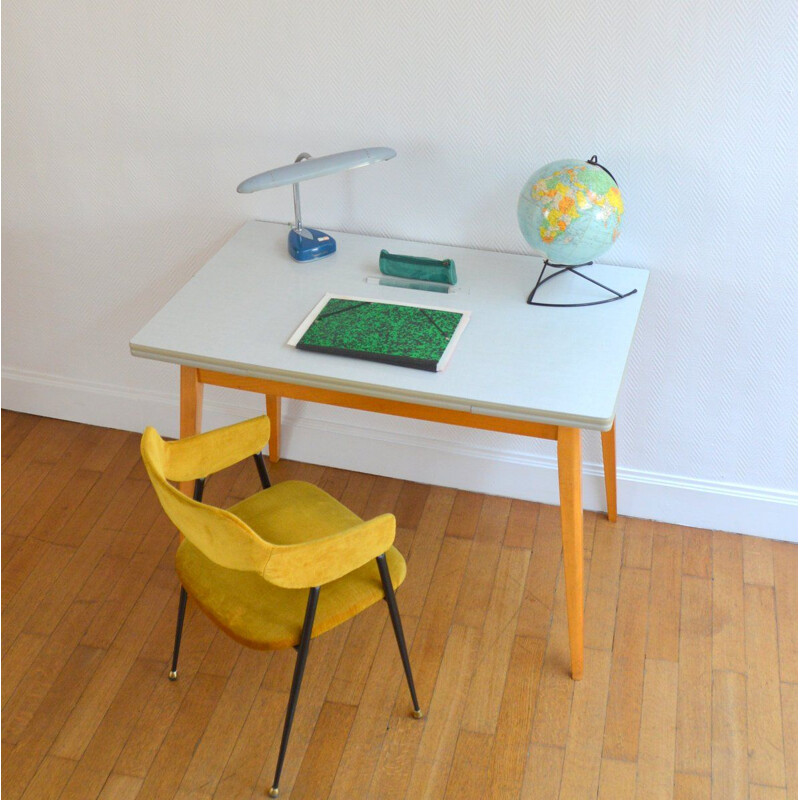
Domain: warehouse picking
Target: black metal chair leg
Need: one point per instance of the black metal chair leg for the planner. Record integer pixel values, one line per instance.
(199, 485)
(388, 590)
(262, 470)
(173, 673)
(299, 669)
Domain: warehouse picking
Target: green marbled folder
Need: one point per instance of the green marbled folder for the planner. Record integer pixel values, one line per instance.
(407, 336)
(423, 269)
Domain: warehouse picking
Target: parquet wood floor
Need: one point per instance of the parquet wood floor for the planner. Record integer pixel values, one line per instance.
(690, 688)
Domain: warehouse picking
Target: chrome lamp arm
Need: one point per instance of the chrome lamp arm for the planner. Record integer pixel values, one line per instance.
(298, 220)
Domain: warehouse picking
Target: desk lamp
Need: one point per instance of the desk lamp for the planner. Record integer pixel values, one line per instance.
(307, 244)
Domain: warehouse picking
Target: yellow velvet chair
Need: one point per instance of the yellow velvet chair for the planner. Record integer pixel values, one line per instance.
(276, 569)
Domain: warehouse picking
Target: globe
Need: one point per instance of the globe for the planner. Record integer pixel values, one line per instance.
(570, 211)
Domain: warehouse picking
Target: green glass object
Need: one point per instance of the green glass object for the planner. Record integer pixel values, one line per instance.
(423, 269)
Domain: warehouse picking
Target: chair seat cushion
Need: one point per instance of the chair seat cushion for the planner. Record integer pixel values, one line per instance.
(266, 617)
(294, 511)
(261, 615)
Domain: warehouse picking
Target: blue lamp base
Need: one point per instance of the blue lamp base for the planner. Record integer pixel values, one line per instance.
(310, 244)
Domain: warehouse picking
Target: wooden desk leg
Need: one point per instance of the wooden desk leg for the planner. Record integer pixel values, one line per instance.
(274, 414)
(569, 484)
(609, 439)
(191, 411)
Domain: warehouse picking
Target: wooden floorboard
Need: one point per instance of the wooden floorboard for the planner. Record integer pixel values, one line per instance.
(690, 688)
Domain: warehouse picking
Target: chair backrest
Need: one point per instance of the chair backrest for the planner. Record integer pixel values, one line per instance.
(221, 536)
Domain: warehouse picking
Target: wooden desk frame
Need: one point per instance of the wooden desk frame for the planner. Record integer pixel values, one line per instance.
(568, 441)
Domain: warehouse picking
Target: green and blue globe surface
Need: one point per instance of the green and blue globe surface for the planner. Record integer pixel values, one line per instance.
(571, 211)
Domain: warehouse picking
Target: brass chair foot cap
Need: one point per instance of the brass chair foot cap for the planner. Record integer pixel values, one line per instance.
(273, 792)
(417, 714)
(173, 674)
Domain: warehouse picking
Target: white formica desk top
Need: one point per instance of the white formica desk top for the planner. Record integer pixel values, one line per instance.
(561, 366)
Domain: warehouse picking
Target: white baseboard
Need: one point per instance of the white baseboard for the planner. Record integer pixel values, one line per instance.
(378, 449)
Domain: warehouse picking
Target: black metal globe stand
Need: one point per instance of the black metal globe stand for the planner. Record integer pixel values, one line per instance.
(573, 268)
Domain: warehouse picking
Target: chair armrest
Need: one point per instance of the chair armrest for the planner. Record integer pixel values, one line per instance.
(201, 455)
(301, 566)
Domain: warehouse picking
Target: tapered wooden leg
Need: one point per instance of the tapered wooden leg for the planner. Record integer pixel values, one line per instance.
(609, 439)
(274, 414)
(569, 484)
(191, 411)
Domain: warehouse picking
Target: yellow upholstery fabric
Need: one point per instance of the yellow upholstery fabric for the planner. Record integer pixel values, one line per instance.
(220, 535)
(294, 511)
(227, 540)
(250, 567)
(261, 615)
(201, 455)
(320, 539)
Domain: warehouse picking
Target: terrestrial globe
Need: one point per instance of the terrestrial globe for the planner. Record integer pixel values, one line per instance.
(570, 211)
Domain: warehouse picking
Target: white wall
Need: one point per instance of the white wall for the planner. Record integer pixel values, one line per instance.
(128, 126)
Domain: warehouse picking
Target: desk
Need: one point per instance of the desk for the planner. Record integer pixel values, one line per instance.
(526, 370)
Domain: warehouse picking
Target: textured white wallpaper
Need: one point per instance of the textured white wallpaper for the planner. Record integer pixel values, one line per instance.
(127, 128)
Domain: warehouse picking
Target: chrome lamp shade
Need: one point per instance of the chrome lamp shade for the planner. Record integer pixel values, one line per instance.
(307, 244)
